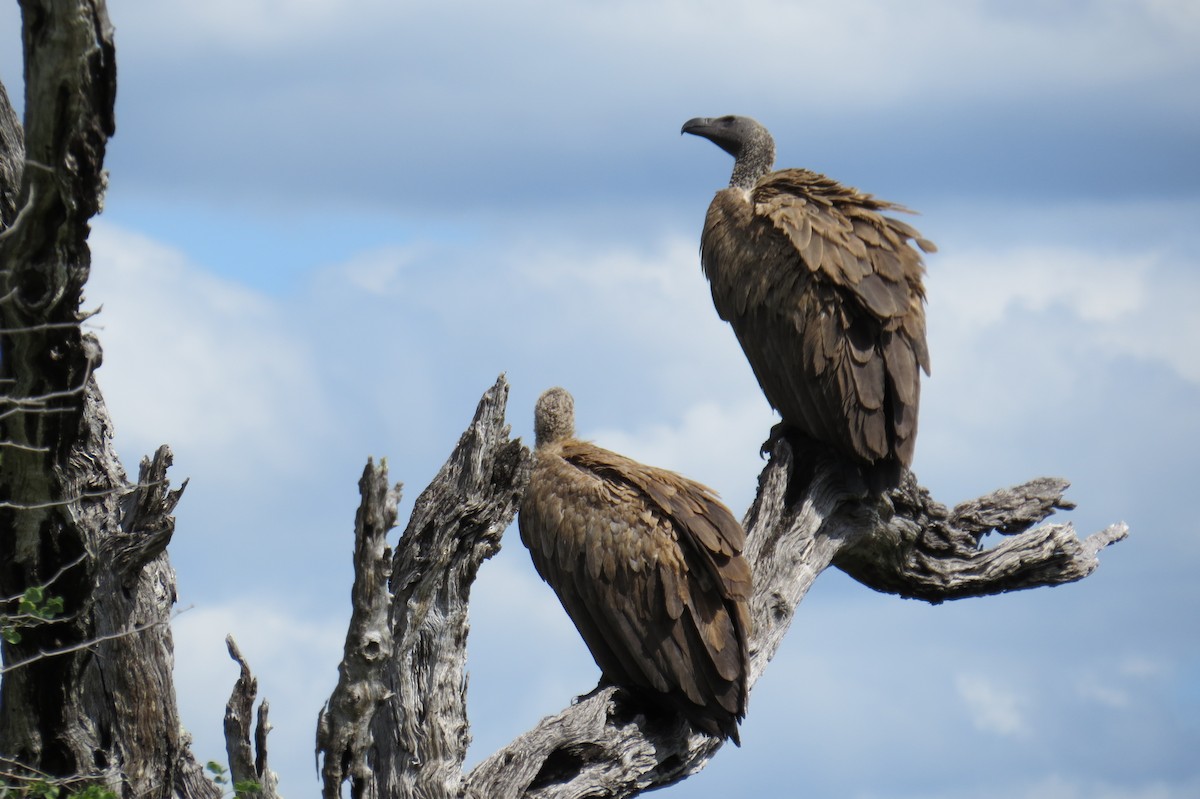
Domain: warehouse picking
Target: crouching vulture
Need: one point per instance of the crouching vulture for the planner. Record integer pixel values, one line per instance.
(825, 296)
(649, 567)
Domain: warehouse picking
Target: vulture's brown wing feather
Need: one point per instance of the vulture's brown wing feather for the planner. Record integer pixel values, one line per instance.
(825, 295)
(648, 565)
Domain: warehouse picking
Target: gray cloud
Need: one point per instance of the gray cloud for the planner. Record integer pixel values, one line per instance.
(319, 105)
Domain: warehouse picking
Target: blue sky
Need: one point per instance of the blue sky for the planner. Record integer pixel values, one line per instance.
(330, 225)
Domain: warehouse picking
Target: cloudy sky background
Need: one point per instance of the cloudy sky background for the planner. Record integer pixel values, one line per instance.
(332, 223)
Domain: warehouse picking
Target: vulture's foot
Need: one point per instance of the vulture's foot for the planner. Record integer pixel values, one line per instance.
(780, 430)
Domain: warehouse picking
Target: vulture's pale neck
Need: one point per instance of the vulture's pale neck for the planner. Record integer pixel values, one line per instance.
(553, 417)
(755, 159)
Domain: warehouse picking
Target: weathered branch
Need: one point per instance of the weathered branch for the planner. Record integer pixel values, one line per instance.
(415, 739)
(344, 726)
(924, 551)
(607, 744)
(146, 521)
(1005, 510)
(247, 762)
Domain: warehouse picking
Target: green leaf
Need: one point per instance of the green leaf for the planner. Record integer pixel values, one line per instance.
(44, 790)
(94, 792)
(217, 771)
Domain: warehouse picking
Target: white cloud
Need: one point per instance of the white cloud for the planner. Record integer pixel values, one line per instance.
(1123, 304)
(993, 708)
(378, 271)
(977, 289)
(653, 306)
(1093, 688)
(1181, 15)
(676, 41)
(666, 273)
(1125, 683)
(1062, 786)
(1143, 667)
(709, 442)
(251, 26)
(525, 658)
(201, 363)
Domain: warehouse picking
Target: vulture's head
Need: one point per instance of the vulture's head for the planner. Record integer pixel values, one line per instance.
(745, 139)
(553, 417)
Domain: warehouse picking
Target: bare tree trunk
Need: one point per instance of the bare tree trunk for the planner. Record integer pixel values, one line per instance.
(605, 744)
(90, 694)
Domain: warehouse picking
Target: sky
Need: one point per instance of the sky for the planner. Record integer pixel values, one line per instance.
(331, 224)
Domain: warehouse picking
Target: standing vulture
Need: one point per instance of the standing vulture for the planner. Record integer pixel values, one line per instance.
(825, 295)
(649, 567)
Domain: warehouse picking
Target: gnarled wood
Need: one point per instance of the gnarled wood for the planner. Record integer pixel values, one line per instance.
(413, 735)
(928, 552)
(344, 727)
(94, 698)
(605, 745)
(247, 760)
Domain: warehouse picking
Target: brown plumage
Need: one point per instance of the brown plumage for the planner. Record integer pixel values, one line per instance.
(825, 295)
(649, 567)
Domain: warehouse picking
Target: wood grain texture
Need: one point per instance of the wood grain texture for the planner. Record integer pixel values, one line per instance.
(397, 723)
(247, 751)
(344, 739)
(95, 699)
(611, 742)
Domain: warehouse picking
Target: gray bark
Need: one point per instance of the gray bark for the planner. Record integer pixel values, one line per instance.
(344, 727)
(92, 694)
(247, 761)
(604, 745)
(396, 724)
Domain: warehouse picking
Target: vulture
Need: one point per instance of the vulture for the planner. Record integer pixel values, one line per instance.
(825, 296)
(648, 564)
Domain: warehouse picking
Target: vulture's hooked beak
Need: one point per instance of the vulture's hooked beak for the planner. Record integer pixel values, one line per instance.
(696, 127)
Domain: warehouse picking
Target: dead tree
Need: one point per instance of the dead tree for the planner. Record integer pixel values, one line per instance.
(90, 695)
(87, 695)
(396, 724)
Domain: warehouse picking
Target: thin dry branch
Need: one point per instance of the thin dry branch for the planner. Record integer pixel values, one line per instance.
(247, 762)
(91, 644)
